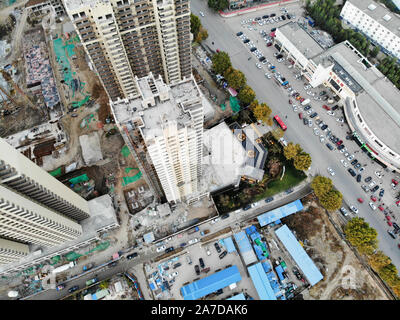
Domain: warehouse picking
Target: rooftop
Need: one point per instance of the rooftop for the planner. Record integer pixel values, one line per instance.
(261, 282)
(301, 39)
(377, 97)
(76, 4)
(380, 13)
(299, 255)
(279, 213)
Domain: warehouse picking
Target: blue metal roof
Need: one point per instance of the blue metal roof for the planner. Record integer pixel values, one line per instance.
(230, 247)
(279, 213)
(261, 282)
(299, 255)
(212, 283)
(239, 296)
(245, 248)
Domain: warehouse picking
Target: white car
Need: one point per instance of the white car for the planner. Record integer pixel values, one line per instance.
(162, 248)
(343, 150)
(354, 209)
(208, 251)
(201, 13)
(346, 154)
(316, 131)
(268, 76)
(321, 139)
(341, 120)
(192, 241)
(372, 205)
(350, 157)
(258, 65)
(344, 163)
(330, 170)
(331, 113)
(372, 184)
(378, 174)
(309, 92)
(295, 108)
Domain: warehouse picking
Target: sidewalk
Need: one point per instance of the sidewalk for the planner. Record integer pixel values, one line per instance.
(255, 8)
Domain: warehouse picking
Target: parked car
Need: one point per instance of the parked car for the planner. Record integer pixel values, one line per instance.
(368, 179)
(223, 254)
(375, 188)
(344, 211)
(132, 255)
(269, 199)
(73, 289)
(372, 205)
(354, 209)
(381, 193)
(170, 249)
(201, 261)
(217, 247)
(197, 269)
(359, 178)
(351, 171)
(159, 249)
(225, 216)
(60, 287)
(247, 207)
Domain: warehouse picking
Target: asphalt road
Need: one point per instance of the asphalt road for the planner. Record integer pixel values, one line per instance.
(223, 33)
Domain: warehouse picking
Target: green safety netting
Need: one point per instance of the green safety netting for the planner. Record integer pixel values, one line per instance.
(125, 151)
(234, 104)
(222, 106)
(71, 256)
(100, 247)
(78, 104)
(55, 260)
(78, 179)
(128, 180)
(57, 172)
(127, 170)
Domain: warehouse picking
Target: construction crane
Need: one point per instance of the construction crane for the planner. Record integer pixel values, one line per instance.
(9, 79)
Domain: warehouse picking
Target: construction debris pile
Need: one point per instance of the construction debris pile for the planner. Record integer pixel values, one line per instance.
(39, 71)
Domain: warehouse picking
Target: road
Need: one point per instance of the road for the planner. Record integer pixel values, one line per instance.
(223, 33)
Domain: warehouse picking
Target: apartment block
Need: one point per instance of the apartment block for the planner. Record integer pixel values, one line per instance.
(376, 22)
(11, 251)
(169, 120)
(21, 175)
(127, 38)
(40, 8)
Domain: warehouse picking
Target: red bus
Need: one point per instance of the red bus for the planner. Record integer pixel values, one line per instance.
(280, 123)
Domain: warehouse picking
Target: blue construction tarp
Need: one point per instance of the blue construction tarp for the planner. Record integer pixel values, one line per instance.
(279, 272)
(245, 248)
(261, 282)
(259, 252)
(229, 245)
(212, 283)
(266, 266)
(250, 230)
(239, 296)
(299, 255)
(279, 213)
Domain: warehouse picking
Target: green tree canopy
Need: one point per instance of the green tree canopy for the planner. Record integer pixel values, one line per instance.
(321, 185)
(378, 260)
(202, 35)
(262, 112)
(236, 79)
(221, 62)
(302, 161)
(331, 200)
(361, 235)
(218, 5)
(277, 133)
(291, 150)
(246, 95)
(195, 24)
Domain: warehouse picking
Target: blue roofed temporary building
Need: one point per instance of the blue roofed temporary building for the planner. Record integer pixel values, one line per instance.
(299, 255)
(149, 237)
(212, 283)
(266, 266)
(229, 245)
(239, 296)
(279, 272)
(246, 251)
(261, 282)
(279, 213)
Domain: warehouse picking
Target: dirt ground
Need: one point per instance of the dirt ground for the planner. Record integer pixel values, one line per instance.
(345, 278)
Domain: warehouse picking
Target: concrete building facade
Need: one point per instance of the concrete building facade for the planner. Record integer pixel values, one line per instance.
(12, 251)
(169, 120)
(369, 98)
(126, 38)
(376, 22)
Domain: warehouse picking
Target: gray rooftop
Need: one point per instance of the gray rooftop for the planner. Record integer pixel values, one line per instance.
(301, 39)
(378, 14)
(376, 96)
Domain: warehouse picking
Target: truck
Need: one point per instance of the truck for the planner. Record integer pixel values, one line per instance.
(91, 281)
(204, 232)
(307, 101)
(88, 267)
(64, 267)
(284, 83)
(193, 230)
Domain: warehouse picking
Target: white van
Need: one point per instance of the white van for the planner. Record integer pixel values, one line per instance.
(188, 260)
(307, 101)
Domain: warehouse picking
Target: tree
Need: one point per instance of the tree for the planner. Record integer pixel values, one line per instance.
(202, 35)
(221, 62)
(274, 166)
(361, 235)
(331, 200)
(291, 150)
(236, 79)
(374, 52)
(321, 185)
(246, 95)
(302, 161)
(218, 5)
(195, 25)
(277, 133)
(389, 273)
(378, 260)
(262, 112)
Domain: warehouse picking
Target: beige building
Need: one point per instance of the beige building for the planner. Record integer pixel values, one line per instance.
(126, 38)
(169, 121)
(12, 251)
